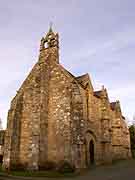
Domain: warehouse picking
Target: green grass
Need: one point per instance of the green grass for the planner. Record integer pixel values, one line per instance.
(42, 174)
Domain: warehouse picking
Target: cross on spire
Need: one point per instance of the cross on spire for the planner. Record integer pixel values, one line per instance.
(50, 27)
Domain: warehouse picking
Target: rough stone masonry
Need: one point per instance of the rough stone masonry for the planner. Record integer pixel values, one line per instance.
(57, 117)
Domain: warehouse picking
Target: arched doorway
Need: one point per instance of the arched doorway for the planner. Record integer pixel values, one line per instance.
(91, 151)
(1, 159)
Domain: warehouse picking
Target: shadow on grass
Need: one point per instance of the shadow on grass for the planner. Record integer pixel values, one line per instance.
(56, 174)
(46, 173)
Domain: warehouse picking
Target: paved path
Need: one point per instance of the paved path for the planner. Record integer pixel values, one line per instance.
(124, 170)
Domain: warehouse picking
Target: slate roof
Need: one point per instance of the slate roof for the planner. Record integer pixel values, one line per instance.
(83, 80)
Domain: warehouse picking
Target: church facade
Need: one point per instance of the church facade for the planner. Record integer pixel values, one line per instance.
(56, 117)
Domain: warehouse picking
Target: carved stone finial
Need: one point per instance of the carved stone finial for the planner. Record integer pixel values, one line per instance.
(117, 103)
(103, 87)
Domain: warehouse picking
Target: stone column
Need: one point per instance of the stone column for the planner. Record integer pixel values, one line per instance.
(44, 95)
(12, 136)
(77, 127)
(34, 127)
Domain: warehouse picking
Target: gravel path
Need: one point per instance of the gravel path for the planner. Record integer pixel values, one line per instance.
(124, 170)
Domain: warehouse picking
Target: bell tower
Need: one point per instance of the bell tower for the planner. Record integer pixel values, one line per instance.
(50, 40)
(50, 45)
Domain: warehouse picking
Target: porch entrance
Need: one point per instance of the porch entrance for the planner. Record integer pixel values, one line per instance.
(91, 152)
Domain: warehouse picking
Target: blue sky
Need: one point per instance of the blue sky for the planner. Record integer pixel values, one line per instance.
(96, 36)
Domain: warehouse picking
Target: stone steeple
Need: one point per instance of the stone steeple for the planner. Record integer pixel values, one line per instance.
(50, 40)
(49, 46)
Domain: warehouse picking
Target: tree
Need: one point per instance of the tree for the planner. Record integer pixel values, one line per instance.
(132, 139)
(1, 124)
(134, 119)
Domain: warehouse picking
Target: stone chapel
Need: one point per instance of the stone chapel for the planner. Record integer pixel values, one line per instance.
(56, 116)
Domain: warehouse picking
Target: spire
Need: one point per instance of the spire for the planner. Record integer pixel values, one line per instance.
(1, 128)
(50, 28)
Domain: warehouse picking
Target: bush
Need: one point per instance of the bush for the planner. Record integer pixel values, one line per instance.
(133, 153)
(18, 167)
(65, 167)
(132, 139)
(48, 165)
